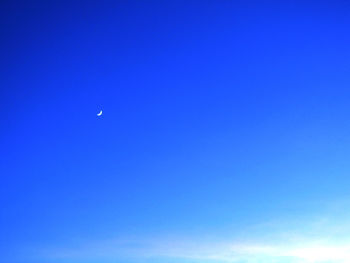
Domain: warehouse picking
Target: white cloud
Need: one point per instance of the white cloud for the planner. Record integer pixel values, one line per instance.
(320, 240)
(250, 252)
(312, 251)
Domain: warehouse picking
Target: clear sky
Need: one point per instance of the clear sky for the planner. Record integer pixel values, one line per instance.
(225, 134)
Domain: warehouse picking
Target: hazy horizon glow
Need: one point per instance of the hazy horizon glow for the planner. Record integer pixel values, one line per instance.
(316, 239)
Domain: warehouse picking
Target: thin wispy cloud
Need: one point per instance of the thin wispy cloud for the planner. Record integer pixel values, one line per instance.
(230, 251)
(322, 240)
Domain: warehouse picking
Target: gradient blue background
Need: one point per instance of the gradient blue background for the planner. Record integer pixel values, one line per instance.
(216, 113)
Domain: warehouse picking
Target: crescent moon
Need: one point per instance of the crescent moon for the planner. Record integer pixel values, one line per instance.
(99, 114)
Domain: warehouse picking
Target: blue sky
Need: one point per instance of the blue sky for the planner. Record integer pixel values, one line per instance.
(224, 135)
